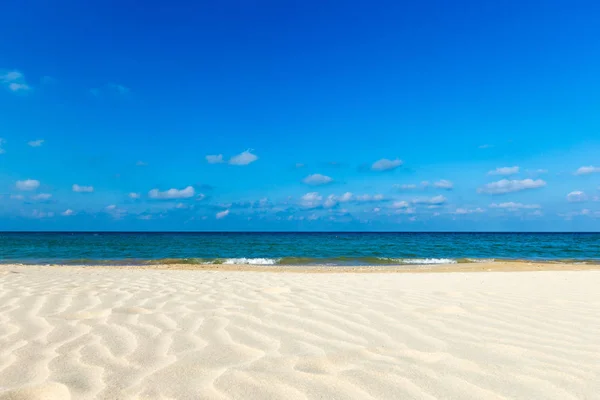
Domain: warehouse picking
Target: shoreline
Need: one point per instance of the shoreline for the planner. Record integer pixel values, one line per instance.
(496, 266)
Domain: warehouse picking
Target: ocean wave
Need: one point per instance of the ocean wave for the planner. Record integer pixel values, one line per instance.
(421, 261)
(252, 261)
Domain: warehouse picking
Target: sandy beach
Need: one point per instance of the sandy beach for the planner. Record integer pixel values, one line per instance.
(529, 332)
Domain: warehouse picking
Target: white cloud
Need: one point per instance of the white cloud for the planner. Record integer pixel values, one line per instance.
(222, 214)
(368, 197)
(111, 207)
(14, 81)
(41, 196)
(401, 204)
(583, 213)
(436, 200)
(317, 179)
(505, 171)
(577, 197)
(134, 196)
(312, 199)
(407, 210)
(214, 159)
(28, 184)
(42, 214)
(200, 197)
(587, 170)
(172, 194)
(82, 189)
(36, 143)
(512, 206)
(243, 158)
(411, 186)
(464, 211)
(509, 186)
(2, 141)
(443, 184)
(67, 213)
(333, 200)
(386, 165)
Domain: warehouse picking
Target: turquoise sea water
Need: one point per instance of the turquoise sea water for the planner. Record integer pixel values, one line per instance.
(294, 248)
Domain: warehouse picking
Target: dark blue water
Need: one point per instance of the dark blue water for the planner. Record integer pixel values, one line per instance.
(294, 248)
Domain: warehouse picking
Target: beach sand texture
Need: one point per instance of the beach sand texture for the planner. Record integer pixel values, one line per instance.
(101, 333)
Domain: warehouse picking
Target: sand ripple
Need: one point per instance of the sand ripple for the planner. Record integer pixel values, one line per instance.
(151, 334)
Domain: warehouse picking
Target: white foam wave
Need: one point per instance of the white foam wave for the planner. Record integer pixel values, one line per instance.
(252, 261)
(423, 261)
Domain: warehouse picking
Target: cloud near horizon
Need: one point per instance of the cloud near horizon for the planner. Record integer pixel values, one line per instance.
(172, 194)
(509, 186)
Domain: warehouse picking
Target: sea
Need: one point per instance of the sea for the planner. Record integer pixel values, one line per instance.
(283, 248)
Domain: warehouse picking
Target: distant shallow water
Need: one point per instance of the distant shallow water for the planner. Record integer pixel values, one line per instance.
(343, 249)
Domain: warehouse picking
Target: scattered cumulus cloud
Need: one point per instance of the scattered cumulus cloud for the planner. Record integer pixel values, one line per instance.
(172, 194)
(82, 189)
(512, 206)
(134, 196)
(587, 170)
(14, 81)
(42, 214)
(409, 186)
(317, 179)
(436, 200)
(400, 204)
(311, 200)
(577, 197)
(28, 184)
(243, 158)
(41, 197)
(368, 197)
(215, 159)
(505, 171)
(333, 200)
(36, 143)
(443, 184)
(222, 214)
(465, 211)
(510, 186)
(386, 165)
(67, 213)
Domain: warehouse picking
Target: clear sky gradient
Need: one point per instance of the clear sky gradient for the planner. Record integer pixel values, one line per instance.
(300, 115)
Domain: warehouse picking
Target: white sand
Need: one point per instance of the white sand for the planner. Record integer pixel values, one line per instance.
(156, 334)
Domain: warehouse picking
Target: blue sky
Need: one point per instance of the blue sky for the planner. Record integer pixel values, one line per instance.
(300, 115)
